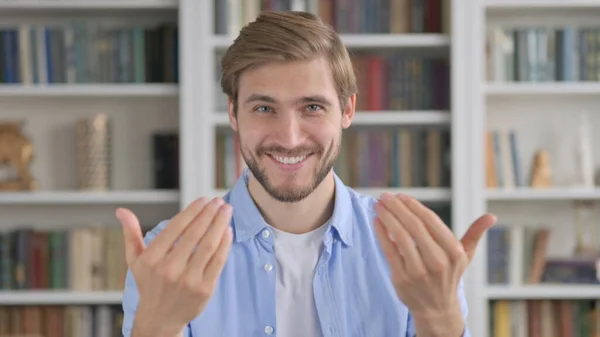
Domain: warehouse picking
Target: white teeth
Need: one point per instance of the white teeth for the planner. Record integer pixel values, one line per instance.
(289, 160)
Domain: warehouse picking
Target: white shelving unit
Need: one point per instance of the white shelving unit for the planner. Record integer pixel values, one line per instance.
(84, 197)
(61, 298)
(36, 5)
(50, 110)
(543, 116)
(90, 90)
(542, 89)
(543, 292)
(360, 41)
(380, 118)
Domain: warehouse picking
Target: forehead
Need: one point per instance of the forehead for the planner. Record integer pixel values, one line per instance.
(288, 80)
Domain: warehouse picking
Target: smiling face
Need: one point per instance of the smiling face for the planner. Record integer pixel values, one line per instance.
(289, 122)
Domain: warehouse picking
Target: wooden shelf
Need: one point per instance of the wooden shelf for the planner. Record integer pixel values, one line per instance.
(358, 41)
(84, 197)
(89, 90)
(59, 297)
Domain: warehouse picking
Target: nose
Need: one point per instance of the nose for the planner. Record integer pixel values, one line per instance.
(289, 130)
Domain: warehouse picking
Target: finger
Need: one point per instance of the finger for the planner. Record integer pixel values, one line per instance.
(217, 262)
(388, 246)
(471, 238)
(439, 231)
(404, 243)
(181, 253)
(164, 241)
(132, 233)
(210, 241)
(432, 254)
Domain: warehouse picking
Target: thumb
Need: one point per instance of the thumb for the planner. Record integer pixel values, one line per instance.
(471, 238)
(132, 233)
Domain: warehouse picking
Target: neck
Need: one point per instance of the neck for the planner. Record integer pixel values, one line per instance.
(299, 217)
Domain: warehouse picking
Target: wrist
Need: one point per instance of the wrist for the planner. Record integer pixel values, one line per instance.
(143, 326)
(437, 325)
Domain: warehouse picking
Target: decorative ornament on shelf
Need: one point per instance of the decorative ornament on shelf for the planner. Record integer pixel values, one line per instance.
(584, 160)
(586, 229)
(16, 154)
(541, 170)
(94, 152)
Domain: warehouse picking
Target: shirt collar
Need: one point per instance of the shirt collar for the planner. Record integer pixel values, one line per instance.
(248, 221)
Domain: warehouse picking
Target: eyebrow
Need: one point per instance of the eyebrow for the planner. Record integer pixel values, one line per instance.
(307, 99)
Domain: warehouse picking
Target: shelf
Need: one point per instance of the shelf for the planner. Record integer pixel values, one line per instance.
(402, 118)
(51, 297)
(543, 291)
(522, 194)
(379, 118)
(88, 4)
(85, 197)
(547, 88)
(533, 4)
(89, 90)
(423, 194)
(372, 41)
(420, 193)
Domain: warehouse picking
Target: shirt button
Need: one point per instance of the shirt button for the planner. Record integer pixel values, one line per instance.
(268, 329)
(266, 234)
(268, 267)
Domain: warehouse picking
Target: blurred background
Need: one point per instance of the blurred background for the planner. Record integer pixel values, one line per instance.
(470, 106)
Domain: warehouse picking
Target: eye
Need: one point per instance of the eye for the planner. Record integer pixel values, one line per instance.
(262, 108)
(314, 107)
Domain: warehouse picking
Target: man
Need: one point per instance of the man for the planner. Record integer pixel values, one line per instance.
(290, 251)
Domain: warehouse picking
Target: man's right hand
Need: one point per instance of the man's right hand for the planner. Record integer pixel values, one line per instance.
(177, 273)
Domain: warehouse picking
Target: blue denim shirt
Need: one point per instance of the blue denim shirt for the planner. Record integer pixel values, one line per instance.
(352, 286)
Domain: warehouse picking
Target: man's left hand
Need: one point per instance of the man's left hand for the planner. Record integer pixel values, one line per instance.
(426, 260)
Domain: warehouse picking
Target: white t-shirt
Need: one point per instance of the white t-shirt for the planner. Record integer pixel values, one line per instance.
(297, 256)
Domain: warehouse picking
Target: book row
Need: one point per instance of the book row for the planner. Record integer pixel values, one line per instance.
(518, 254)
(543, 54)
(544, 318)
(503, 160)
(398, 81)
(81, 52)
(61, 321)
(90, 258)
(391, 81)
(369, 157)
(346, 16)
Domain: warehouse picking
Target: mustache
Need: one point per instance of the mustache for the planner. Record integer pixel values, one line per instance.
(289, 152)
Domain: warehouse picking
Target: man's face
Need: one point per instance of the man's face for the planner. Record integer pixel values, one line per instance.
(290, 123)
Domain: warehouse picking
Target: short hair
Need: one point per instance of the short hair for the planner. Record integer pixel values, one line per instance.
(287, 36)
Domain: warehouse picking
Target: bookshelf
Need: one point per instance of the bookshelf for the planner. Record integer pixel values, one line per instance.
(536, 96)
(84, 59)
(192, 105)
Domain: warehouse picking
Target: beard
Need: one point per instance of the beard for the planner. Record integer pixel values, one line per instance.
(291, 194)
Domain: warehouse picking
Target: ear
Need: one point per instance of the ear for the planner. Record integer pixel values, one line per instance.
(231, 113)
(348, 113)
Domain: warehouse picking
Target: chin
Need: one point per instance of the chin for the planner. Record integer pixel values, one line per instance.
(289, 182)
(289, 186)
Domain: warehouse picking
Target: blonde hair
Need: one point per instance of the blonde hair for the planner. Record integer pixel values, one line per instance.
(287, 36)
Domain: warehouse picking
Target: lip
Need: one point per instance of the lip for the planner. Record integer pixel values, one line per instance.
(289, 167)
